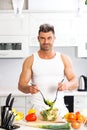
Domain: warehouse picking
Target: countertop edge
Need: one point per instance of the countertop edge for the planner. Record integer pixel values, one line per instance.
(16, 92)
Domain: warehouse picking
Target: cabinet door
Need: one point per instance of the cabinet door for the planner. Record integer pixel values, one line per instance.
(60, 5)
(11, 25)
(62, 24)
(80, 103)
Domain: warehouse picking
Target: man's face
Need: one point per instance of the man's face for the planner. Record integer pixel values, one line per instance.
(46, 40)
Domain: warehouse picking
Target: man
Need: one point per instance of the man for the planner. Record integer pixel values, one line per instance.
(44, 71)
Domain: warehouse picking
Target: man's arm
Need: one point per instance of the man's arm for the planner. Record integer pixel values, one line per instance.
(25, 75)
(72, 82)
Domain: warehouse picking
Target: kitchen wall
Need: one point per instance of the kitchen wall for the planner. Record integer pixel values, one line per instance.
(67, 23)
(10, 68)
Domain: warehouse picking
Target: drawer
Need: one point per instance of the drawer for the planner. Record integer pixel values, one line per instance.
(80, 100)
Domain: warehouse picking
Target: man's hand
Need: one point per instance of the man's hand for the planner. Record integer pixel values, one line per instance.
(33, 89)
(62, 86)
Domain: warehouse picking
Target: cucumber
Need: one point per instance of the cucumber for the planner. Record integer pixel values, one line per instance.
(65, 126)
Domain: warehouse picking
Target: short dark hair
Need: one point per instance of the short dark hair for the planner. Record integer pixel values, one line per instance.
(46, 28)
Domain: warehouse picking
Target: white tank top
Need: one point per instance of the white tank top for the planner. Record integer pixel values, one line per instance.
(46, 74)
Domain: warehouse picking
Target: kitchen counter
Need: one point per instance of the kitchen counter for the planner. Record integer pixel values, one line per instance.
(16, 92)
(32, 128)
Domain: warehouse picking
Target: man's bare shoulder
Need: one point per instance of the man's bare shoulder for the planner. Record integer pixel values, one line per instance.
(66, 59)
(29, 60)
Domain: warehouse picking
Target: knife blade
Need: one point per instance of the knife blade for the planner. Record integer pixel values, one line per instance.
(10, 123)
(11, 103)
(8, 99)
(5, 115)
(8, 119)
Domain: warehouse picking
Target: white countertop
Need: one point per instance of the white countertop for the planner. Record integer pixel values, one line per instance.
(16, 92)
(32, 128)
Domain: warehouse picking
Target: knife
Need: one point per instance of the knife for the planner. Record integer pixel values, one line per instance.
(8, 119)
(8, 99)
(10, 123)
(8, 111)
(11, 103)
(2, 114)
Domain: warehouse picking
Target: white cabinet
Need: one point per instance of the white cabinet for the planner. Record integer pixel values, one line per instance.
(58, 5)
(13, 29)
(80, 102)
(13, 46)
(12, 25)
(62, 24)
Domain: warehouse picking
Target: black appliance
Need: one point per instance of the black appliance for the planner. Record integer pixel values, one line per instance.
(69, 102)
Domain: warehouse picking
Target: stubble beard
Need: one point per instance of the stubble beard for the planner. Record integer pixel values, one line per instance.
(46, 48)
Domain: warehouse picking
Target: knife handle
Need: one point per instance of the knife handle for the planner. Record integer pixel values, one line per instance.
(8, 99)
(2, 114)
(11, 103)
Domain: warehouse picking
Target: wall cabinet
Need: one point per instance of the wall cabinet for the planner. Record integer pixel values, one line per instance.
(13, 46)
(58, 5)
(12, 25)
(70, 28)
(62, 24)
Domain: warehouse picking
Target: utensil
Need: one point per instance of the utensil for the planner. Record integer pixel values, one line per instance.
(8, 99)
(5, 109)
(40, 93)
(11, 103)
(57, 92)
(8, 120)
(50, 104)
(8, 112)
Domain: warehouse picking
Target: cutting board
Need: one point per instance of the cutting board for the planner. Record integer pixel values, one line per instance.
(41, 122)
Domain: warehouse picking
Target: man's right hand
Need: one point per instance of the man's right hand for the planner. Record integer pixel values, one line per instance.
(33, 89)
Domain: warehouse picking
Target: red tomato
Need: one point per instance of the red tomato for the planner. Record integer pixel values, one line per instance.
(77, 114)
(31, 117)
